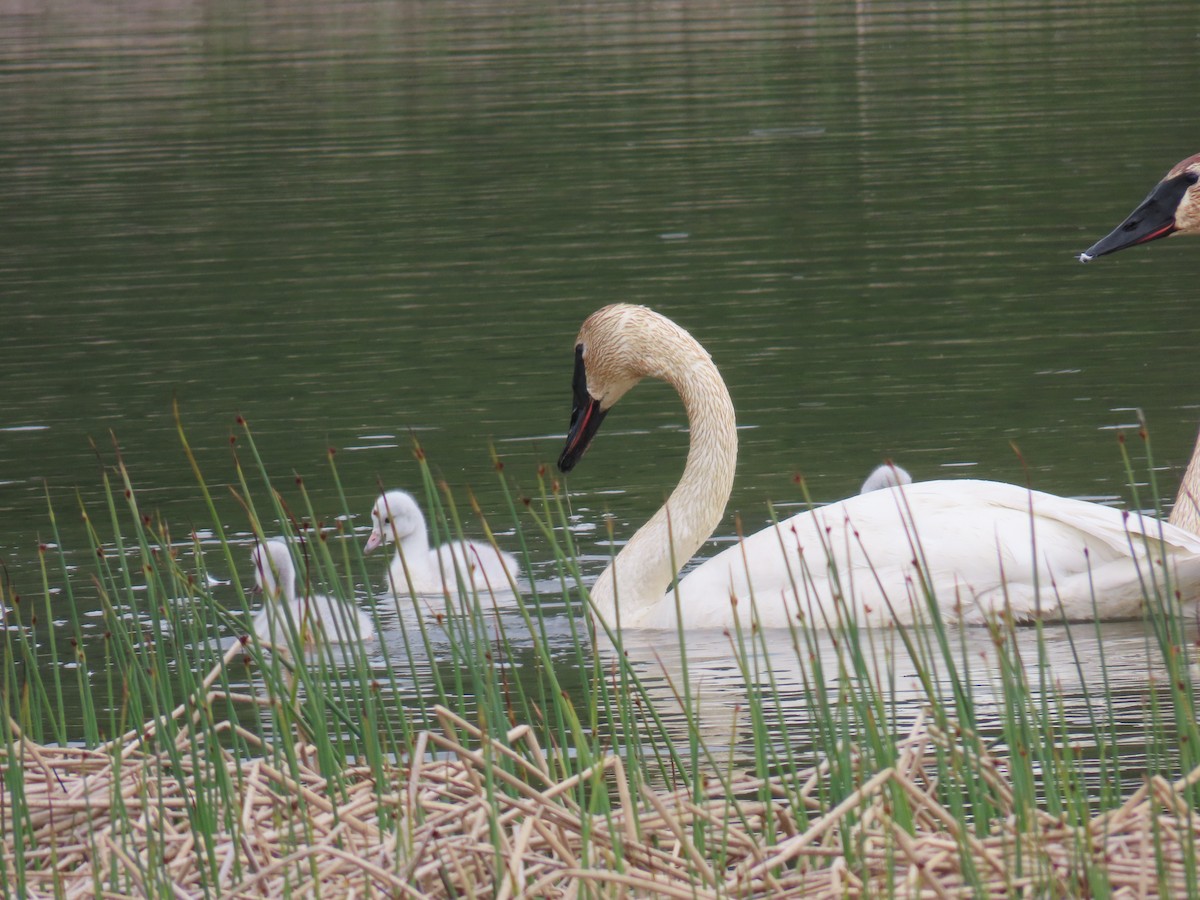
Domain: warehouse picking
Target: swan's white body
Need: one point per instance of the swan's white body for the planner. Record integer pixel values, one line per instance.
(416, 568)
(315, 617)
(983, 547)
(887, 475)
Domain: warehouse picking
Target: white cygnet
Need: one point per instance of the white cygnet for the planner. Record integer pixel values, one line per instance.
(417, 568)
(315, 616)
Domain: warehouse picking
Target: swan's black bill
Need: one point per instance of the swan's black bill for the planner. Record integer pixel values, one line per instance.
(586, 416)
(1154, 219)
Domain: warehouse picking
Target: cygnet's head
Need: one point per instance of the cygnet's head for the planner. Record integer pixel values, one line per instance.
(885, 476)
(395, 515)
(273, 566)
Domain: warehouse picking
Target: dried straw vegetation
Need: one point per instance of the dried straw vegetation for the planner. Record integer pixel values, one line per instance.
(472, 816)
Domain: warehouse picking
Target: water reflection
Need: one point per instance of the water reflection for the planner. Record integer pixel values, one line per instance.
(1104, 675)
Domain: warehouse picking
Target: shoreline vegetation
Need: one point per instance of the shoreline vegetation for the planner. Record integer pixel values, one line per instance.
(194, 760)
(115, 822)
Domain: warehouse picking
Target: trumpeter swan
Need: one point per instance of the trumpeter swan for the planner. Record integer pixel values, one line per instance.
(315, 617)
(1172, 207)
(984, 546)
(887, 475)
(422, 570)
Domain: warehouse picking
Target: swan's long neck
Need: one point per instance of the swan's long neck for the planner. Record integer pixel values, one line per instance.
(642, 572)
(414, 560)
(284, 577)
(1186, 511)
(415, 548)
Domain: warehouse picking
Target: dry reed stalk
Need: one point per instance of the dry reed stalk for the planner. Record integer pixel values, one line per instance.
(792, 847)
(133, 738)
(107, 816)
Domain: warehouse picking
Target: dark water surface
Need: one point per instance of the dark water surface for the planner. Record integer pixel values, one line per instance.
(353, 223)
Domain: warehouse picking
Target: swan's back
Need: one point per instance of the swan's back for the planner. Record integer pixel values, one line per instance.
(983, 546)
(313, 616)
(481, 566)
(885, 476)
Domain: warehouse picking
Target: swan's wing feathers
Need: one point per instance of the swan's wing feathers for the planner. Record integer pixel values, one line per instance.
(480, 554)
(978, 546)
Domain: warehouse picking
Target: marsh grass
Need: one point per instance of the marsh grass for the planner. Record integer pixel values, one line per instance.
(491, 744)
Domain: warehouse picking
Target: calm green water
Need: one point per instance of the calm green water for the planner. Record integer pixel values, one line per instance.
(352, 223)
